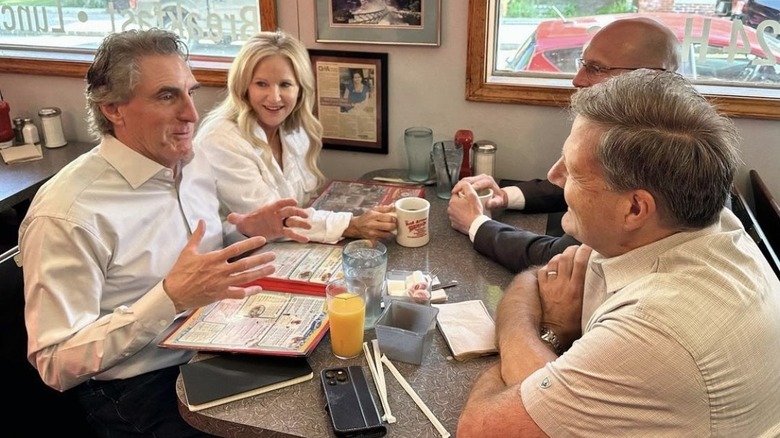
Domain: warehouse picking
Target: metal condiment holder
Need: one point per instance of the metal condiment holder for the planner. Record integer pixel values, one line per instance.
(484, 157)
(51, 122)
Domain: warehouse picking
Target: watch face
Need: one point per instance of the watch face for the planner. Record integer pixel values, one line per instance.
(548, 336)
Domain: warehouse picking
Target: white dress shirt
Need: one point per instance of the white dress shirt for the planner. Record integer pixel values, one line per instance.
(515, 198)
(248, 177)
(96, 243)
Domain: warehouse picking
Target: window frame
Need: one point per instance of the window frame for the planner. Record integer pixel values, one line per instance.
(208, 71)
(481, 86)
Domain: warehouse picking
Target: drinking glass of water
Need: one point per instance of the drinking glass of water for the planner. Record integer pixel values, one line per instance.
(366, 261)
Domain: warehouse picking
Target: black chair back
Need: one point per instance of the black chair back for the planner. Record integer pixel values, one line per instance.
(767, 210)
(741, 209)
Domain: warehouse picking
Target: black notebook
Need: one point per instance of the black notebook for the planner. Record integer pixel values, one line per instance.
(222, 379)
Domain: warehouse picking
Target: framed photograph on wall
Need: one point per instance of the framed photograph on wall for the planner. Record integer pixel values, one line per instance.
(351, 100)
(410, 22)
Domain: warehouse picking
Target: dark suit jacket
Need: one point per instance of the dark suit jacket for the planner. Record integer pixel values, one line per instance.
(541, 196)
(517, 249)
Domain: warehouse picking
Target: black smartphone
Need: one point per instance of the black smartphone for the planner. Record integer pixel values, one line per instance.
(350, 404)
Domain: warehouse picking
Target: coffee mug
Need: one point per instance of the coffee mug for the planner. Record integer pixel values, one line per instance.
(484, 196)
(412, 222)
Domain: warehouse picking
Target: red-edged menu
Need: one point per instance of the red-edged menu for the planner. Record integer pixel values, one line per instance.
(358, 196)
(302, 267)
(272, 323)
(288, 318)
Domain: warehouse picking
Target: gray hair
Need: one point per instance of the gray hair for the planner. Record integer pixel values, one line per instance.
(663, 136)
(113, 75)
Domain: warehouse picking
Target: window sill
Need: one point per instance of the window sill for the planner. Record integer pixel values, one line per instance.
(209, 72)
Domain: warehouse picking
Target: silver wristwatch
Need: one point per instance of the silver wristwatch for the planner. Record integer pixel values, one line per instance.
(549, 336)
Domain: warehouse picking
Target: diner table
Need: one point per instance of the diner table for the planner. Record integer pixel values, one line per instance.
(442, 382)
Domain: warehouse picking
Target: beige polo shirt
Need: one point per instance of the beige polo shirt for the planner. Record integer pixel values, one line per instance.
(683, 340)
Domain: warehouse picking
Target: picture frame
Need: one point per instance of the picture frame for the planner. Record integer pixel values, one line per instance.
(351, 99)
(348, 21)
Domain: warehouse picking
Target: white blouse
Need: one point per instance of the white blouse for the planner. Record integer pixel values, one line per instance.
(248, 177)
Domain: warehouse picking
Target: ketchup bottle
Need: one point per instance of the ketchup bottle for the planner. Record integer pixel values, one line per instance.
(6, 129)
(465, 138)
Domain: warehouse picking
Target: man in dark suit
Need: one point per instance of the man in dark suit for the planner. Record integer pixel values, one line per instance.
(621, 46)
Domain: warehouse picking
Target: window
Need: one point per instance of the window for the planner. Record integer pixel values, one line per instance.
(531, 58)
(58, 37)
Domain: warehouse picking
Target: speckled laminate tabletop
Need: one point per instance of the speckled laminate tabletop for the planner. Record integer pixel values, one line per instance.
(441, 382)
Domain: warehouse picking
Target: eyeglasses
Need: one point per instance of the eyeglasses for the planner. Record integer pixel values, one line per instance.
(599, 70)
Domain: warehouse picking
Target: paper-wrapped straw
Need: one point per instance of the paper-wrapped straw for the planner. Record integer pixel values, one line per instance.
(379, 370)
(409, 390)
(382, 392)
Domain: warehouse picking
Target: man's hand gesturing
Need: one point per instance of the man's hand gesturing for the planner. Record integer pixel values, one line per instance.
(199, 279)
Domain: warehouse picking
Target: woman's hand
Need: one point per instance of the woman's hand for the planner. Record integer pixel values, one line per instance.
(273, 221)
(375, 224)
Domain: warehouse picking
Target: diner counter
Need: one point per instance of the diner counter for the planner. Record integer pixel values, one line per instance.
(20, 181)
(441, 382)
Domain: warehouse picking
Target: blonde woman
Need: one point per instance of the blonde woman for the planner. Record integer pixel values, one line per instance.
(263, 141)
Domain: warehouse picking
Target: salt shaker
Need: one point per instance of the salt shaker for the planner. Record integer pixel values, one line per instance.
(51, 122)
(30, 132)
(484, 157)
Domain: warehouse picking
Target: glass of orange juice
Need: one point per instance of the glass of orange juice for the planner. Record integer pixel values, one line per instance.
(346, 305)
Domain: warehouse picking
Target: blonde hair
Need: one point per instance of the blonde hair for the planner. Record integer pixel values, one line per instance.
(236, 106)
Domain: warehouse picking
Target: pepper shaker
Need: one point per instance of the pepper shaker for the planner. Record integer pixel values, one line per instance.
(465, 138)
(6, 130)
(18, 134)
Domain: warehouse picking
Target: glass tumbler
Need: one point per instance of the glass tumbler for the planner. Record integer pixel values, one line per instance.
(346, 304)
(447, 156)
(418, 141)
(366, 261)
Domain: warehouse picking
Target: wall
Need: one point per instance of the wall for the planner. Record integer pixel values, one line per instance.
(426, 87)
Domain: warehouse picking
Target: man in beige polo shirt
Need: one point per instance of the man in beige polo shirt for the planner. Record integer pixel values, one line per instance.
(670, 324)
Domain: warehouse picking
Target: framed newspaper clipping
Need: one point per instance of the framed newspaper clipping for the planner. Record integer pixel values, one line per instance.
(351, 100)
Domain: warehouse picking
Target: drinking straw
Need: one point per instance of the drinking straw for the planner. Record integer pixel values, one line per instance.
(378, 364)
(381, 374)
(446, 166)
(420, 404)
(382, 391)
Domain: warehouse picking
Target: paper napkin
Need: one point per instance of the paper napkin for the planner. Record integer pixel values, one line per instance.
(20, 154)
(468, 329)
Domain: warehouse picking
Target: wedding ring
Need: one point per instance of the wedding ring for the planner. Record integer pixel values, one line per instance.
(284, 221)
(552, 274)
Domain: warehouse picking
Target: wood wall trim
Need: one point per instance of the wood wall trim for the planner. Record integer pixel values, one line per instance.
(480, 89)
